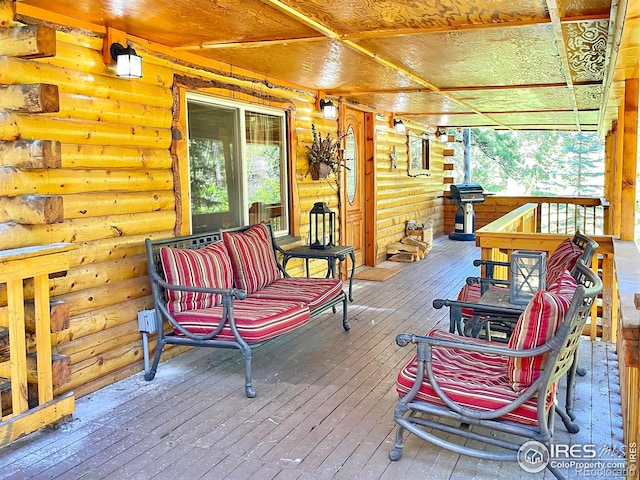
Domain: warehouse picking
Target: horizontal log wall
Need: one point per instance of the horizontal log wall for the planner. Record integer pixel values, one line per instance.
(94, 163)
(400, 196)
(87, 163)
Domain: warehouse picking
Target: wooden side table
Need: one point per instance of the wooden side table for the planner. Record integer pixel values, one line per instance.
(331, 255)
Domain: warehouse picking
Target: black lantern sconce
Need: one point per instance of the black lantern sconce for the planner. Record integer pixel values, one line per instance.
(322, 223)
(128, 62)
(398, 126)
(328, 108)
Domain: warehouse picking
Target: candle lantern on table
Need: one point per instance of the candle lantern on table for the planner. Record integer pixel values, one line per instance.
(322, 223)
(528, 275)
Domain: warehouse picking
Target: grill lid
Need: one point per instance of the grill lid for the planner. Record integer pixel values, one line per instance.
(466, 192)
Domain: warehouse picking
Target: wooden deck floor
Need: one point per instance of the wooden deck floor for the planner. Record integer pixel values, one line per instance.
(324, 405)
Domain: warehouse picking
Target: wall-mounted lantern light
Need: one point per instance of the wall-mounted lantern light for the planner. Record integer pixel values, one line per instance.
(398, 126)
(328, 108)
(128, 62)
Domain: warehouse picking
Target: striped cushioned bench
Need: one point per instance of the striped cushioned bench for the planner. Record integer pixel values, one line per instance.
(228, 290)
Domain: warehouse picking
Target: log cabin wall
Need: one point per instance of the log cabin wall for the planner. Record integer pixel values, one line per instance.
(401, 197)
(92, 159)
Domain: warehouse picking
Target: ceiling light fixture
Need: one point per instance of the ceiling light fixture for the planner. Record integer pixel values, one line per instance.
(128, 62)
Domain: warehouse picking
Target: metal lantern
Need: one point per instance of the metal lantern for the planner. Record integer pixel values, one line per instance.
(322, 223)
(528, 275)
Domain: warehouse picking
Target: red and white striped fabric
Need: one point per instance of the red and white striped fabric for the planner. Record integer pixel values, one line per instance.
(208, 267)
(564, 257)
(312, 291)
(540, 321)
(475, 380)
(254, 263)
(256, 319)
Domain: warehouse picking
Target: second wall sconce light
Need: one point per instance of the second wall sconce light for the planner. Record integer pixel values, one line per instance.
(128, 62)
(328, 108)
(398, 126)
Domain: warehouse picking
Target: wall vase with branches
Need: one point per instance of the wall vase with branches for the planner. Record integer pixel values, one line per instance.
(323, 155)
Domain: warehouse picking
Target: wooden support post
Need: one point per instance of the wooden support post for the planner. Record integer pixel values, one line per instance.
(629, 159)
(33, 98)
(32, 209)
(32, 41)
(17, 347)
(27, 154)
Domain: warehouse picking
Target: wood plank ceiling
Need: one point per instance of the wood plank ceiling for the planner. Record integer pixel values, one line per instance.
(520, 64)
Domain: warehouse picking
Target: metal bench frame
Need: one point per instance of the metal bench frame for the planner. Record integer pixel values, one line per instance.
(166, 332)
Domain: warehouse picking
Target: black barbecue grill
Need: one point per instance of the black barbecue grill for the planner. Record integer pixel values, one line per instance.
(465, 195)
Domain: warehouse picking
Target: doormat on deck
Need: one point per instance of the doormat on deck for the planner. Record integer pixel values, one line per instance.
(376, 274)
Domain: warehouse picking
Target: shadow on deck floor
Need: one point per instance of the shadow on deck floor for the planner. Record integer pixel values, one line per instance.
(324, 405)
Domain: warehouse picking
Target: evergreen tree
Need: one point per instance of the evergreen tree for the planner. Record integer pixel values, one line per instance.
(537, 162)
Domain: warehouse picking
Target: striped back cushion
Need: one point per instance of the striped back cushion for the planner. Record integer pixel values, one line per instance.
(538, 323)
(562, 258)
(252, 257)
(208, 267)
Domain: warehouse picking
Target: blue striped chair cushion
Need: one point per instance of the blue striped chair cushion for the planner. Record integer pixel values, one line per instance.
(252, 257)
(256, 319)
(474, 380)
(312, 291)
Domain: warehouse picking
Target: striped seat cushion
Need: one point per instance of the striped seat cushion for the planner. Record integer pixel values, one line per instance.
(312, 291)
(471, 379)
(256, 319)
(208, 267)
(540, 321)
(254, 263)
(563, 258)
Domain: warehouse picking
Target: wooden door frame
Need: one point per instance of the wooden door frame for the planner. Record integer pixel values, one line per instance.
(370, 201)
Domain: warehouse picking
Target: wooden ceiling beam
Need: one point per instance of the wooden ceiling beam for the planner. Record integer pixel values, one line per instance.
(552, 6)
(394, 91)
(388, 33)
(506, 112)
(251, 44)
(292, 13)
(614, 38)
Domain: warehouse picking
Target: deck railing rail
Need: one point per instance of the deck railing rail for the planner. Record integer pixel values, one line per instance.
(563, 215)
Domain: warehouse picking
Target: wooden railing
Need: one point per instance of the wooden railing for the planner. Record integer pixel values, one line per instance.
(554, 214)
(590, 215)
(518, 230)
(22, 368)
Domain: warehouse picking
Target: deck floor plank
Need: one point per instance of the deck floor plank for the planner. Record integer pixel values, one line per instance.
(324, 405)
